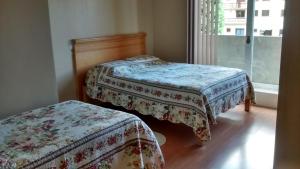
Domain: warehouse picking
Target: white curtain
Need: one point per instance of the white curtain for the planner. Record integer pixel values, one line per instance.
(204, 32)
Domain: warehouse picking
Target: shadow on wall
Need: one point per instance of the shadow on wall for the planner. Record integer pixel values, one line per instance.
(26, 64)
(170, 29)
(73, 19)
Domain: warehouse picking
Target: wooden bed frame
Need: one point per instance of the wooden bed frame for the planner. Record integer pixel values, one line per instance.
(89, 52)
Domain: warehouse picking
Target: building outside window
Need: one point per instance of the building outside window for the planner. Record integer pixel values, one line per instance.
(268, 16)
(256, 12)
(266, 32)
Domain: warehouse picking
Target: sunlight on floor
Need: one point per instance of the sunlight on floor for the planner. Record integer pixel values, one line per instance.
(257, 153)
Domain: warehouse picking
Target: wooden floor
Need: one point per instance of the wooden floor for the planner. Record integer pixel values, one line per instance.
(240, 140)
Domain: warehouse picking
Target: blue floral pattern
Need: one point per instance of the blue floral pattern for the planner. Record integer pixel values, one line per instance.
(177, 92)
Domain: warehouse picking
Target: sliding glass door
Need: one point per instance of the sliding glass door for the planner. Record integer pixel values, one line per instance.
(249, 37)
(268, 30)
(231, 48)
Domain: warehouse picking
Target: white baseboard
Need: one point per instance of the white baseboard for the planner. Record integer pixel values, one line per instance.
(266, 99)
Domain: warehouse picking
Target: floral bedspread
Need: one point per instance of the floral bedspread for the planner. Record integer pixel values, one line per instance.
(177, 92)
(77, 135)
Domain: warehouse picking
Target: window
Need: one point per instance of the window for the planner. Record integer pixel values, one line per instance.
(282, 13)
(239, 3)
(240, 13)
(239, 31)
(255, 30)
(266, 32)
(280, 32)
(256, 12)
(228, 30)
(265, 12)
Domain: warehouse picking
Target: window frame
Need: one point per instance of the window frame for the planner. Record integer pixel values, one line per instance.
(243, 12)
(263, 14)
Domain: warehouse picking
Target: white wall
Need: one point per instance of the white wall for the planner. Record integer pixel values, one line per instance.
(72, 19)
(287, 147)
(26, 63)
(146, 22)
(170, 29)
(164, 21)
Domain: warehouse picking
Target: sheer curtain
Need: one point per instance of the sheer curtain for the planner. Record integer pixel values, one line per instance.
(202, 31)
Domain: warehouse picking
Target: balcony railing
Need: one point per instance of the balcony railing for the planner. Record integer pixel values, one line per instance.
(242, 5)
(266, 56)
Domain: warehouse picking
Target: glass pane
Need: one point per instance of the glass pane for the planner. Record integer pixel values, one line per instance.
(268, 28)
(231, 46)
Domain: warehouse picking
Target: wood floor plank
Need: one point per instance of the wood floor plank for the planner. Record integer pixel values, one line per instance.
(240, 140)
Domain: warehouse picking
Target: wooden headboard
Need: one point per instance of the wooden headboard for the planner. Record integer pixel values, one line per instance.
(89, 52)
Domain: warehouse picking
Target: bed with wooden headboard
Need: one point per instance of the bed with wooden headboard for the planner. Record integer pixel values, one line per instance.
(233, 86)
(89, 52)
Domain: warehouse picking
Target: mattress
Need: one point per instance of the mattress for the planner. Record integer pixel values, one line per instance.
(180, 93)
(73, 134)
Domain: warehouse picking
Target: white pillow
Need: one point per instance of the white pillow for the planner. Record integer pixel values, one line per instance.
(142, 58)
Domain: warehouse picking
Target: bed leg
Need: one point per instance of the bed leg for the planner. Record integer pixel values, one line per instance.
(200, 142)
(247, 105)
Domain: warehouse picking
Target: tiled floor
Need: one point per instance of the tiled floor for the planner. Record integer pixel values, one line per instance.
(240, 140)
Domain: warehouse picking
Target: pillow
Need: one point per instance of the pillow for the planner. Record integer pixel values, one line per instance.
(142, 58)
